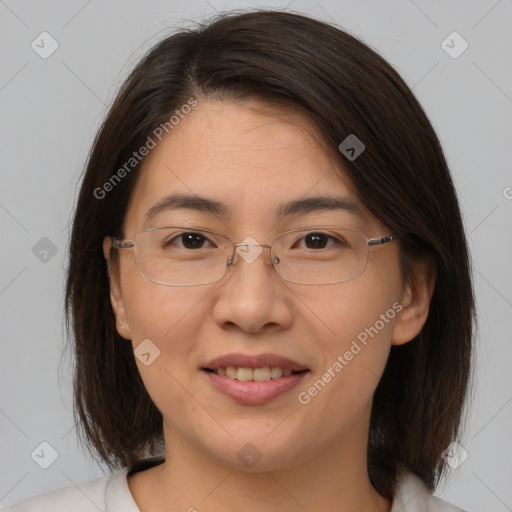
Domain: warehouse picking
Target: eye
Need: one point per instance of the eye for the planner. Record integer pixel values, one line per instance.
(318, 240)
(189, 240)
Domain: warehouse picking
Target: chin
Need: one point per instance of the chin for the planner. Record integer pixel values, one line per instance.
(257, 453)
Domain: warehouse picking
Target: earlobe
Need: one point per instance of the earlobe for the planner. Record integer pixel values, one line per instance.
(415, 303)
(116, 298)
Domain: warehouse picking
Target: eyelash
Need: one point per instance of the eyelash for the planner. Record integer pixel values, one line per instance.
(170, 241)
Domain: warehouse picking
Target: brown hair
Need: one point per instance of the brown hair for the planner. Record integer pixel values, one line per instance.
(402, 177)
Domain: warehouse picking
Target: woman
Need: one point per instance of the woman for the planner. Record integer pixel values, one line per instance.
(269, 286)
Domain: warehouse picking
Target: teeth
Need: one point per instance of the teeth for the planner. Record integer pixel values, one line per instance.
(275, 373)
(257, 374)
(244, 374)
(231, 372)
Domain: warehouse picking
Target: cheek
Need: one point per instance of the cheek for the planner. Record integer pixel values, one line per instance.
(358, 309)
(357, 320)
(165, 322)
(159, 312)
(161, 320)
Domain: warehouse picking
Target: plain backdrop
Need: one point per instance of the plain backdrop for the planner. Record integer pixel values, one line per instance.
(50, 109)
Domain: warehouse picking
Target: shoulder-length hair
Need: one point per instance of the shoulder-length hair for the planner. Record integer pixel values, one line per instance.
(402, 177)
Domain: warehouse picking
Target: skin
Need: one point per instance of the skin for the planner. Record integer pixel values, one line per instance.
(253, 156)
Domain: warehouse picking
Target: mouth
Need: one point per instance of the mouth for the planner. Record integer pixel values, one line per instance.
(254, 379)
(262, 374)
(258, 367)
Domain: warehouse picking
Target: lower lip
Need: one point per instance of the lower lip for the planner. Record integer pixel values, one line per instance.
(251, 392)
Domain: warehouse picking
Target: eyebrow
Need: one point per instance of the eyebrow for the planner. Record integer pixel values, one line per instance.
(214, 207)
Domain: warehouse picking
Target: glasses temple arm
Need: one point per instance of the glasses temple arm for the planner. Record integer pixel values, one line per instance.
(380, 241)
(122, 244)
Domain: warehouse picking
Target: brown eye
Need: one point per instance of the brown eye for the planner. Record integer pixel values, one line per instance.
(189, 240)
(316, 240)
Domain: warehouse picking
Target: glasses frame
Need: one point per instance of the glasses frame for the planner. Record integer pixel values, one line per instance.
(130, 244)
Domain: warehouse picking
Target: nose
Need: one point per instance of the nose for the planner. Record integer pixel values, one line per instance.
(252, 256)
(252, 295)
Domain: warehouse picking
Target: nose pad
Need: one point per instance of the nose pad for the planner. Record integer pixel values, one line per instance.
(257, 251)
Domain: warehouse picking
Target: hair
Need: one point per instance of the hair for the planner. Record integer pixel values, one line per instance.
(344, 87)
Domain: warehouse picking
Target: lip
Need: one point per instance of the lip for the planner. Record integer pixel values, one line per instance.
(251, 392)
(254, 361)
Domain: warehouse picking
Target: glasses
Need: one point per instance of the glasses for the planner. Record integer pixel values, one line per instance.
(184, 256)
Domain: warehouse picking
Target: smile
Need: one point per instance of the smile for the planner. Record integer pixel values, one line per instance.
(254, 374)
(253, 379)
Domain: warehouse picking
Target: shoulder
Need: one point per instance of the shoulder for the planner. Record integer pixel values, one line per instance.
(413, 496)
(109, 493)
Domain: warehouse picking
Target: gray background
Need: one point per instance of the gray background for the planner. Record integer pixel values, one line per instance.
(50, 109)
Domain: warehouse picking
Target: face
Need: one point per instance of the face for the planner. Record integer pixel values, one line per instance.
(253, 158)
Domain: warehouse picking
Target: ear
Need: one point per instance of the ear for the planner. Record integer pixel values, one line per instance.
(415, 302)
(116, 297)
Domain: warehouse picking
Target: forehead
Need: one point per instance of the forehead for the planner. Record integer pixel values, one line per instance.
(223, 138)
(251, 157)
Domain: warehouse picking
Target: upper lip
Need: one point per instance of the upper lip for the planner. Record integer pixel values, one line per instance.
(254, 361)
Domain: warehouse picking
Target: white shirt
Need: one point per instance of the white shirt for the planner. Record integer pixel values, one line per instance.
(112, 494)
